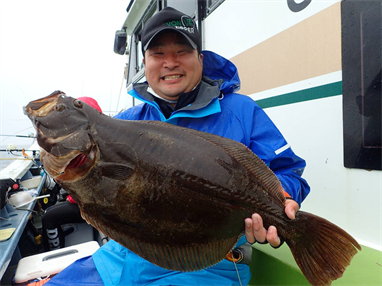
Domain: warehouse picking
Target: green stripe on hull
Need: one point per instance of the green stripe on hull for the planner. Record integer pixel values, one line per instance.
(318, 92)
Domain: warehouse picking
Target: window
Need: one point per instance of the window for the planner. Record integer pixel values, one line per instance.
(135, 71)
(136, 68)
(361, 73)
(189, 7)
(211, 5)
(198, 9)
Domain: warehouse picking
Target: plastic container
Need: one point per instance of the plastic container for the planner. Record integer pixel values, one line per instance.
(52, 262)
(31, 183)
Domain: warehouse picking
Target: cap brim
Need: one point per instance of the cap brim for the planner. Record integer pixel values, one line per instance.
(191, 42)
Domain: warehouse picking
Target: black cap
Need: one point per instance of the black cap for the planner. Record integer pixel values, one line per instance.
(174, 20)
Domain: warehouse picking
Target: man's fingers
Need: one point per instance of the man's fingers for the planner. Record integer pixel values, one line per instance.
(273, 237)
(250, 237)
(291, 208)
(255, 231)
(259, 232)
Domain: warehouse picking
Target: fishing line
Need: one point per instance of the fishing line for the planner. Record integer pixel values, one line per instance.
(25, 98)
(237, 271)
(13, 135)
(120, 92)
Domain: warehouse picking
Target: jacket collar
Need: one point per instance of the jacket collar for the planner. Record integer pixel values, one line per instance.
(208, 91)
(220, 76)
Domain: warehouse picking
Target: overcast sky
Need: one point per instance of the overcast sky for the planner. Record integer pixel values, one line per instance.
(57, 45)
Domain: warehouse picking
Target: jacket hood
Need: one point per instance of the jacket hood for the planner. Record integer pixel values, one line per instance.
(216, 67)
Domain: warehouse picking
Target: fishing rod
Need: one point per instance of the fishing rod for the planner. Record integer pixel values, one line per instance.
(24, 155)
(30, 135)
(14, 159)
(17, 150)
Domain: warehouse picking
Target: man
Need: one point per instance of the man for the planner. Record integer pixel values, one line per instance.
(196, 90)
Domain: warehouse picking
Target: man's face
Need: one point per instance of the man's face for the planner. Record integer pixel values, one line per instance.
(172, 66)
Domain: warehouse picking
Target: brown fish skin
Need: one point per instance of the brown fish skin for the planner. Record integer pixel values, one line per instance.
(195, 188)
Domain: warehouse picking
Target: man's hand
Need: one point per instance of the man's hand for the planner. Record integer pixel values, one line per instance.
(255, 231)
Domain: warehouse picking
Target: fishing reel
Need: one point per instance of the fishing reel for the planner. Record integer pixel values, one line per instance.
(54, 189)
(7, 187)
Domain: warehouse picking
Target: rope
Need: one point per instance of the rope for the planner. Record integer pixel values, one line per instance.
(237, 271)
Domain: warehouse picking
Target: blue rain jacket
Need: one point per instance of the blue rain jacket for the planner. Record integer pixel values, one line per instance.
(221, 111)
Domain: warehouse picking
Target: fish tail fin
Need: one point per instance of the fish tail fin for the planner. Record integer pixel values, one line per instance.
(322, 250)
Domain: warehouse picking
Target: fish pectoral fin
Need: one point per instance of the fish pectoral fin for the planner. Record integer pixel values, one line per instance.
(116, 171)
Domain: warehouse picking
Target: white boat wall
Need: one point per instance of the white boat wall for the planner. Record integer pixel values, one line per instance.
(315, 68)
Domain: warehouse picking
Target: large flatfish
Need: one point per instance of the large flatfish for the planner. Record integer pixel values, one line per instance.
(175, 196)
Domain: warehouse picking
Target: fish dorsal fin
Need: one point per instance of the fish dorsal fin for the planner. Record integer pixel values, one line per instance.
(242, 154)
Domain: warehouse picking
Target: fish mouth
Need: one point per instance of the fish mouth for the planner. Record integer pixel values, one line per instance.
(78, 161)
(71, 167)
(43, 106)
(40, 108)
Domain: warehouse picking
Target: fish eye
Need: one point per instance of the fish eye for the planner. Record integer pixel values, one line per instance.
(78, 103)
(60, 107)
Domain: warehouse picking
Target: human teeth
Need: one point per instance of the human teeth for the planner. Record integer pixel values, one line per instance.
(171, 77)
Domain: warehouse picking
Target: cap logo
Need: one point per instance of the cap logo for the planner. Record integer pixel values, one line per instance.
(186, 23)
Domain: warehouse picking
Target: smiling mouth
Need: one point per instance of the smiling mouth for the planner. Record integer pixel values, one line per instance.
(172, 77)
